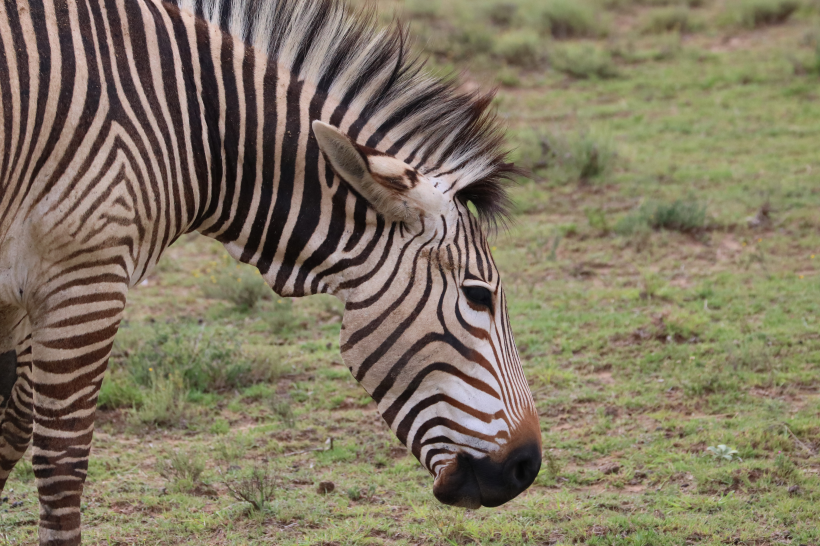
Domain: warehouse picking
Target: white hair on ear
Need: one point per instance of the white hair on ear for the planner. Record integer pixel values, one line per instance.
(393, 187)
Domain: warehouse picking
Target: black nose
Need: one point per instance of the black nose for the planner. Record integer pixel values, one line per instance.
(483, 482)
(502, 482)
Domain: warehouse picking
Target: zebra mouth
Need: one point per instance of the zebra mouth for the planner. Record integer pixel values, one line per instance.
(471, 482)
(457, 485)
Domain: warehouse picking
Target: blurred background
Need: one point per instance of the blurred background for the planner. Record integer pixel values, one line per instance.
(663, 290)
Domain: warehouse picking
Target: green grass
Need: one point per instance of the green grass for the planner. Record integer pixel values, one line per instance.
(759, 13)
(653, 318)
(561, 159)
(682, 215)
(676, 18)
(583, 62)
(243, 286)
(564, 19)
(523, 48)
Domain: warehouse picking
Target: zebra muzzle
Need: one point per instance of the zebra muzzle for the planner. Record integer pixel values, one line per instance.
(471, 482)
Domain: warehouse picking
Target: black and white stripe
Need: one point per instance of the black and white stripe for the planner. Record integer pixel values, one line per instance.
(127, 123)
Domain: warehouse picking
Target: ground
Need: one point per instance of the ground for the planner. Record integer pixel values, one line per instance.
(663, 290)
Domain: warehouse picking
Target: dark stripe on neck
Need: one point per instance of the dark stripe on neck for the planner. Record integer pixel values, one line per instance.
(287, 174)
(269, 142)
(233, 120)
(248, 153)
(209, 94)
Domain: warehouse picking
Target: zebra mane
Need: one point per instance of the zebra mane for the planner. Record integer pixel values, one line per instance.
(438, 129)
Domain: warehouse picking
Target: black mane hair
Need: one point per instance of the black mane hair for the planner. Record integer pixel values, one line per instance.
(424, 120)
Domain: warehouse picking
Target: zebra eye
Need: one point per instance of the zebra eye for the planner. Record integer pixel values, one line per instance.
(479, 295)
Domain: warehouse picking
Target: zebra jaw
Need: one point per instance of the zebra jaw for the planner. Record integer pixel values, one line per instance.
(395, 189)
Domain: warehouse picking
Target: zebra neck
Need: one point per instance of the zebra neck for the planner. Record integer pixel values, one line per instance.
(269, 196)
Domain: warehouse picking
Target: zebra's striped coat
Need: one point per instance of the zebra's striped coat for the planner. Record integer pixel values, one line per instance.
(126, 123)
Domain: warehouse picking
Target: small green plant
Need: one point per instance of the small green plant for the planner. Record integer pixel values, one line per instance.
(564, 19)
(520, 48)
(807, 66)
(723, 452)
(467, 42)
(206, 359)
(258, 490)
(241, 285)
(583, 62)
(759, 13)
(672, 19)
(280, 318)
(550, 470)
(784, 467)
(164, 404)
(233, 448)
(568, 230)
(182, 468)
(597, 221)
(502, 14)
(119, 391)
(283, 410)
(663, 48)
(651, 284)
(626, 4)
(219, 426)
(685, 216)
(566, 158)
(354, 494)
(631, 224)
(754, 353)
(588, 157)
(556, 241)
(23, 471)
(260, 391)
(684, 325)
(452, 527)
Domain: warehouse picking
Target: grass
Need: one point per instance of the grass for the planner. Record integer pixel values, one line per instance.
(258, 490)
(583, 62)
(671, 19)
(631, 4)
(681, 215)
(760, 13)
(241, 285)
(564, 19)
(561, 159)
(523, 49)
(182, 469)
(643, 346)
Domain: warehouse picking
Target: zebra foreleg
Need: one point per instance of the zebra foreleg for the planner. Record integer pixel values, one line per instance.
(71, 344)
(15, 404)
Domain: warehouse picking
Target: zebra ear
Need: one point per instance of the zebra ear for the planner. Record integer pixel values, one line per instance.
(394, 188)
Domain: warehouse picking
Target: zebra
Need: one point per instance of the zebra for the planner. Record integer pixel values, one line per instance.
(313, 146)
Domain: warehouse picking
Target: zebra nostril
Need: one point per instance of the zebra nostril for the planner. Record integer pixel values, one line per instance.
(523, 468)
(521, 471)
(502, 481)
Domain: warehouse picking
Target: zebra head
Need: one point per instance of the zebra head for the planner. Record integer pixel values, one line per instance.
(426, 332)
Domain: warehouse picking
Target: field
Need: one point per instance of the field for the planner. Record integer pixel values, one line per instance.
(662, 272)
